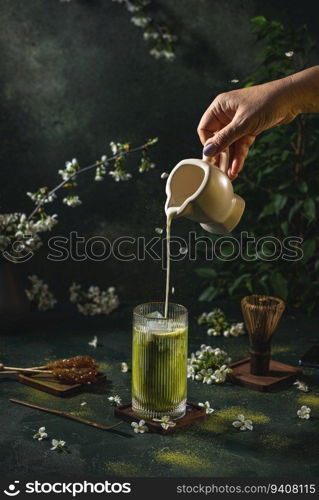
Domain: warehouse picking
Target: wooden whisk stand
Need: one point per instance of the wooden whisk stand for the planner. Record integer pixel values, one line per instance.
(259, 372)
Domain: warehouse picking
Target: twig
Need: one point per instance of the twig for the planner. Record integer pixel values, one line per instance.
(23, 370)
(109, 428)
(86, 169)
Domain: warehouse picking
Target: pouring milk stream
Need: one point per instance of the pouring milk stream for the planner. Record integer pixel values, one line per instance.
(201, 191)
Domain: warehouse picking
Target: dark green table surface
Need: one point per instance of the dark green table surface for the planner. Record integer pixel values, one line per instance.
(281, 444)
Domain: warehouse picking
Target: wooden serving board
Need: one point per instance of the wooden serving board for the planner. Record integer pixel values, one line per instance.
(193, 413)
(49, 384)
(280, 376)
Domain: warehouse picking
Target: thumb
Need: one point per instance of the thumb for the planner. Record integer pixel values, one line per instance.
(224, 138)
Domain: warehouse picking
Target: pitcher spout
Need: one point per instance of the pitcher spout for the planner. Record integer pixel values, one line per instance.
(185, 183)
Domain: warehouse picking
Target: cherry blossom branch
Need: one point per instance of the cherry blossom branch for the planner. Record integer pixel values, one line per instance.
(103, 162)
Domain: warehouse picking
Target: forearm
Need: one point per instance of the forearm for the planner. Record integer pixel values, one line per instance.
(305, 90)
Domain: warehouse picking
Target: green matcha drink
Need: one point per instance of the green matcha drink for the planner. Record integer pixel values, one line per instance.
(159, 363)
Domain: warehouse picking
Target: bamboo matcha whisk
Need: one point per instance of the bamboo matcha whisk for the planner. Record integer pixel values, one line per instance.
(262, 315)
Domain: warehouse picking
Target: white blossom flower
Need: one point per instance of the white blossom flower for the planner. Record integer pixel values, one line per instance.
(83, 403)
(42, 196)
(157, 53)
(160, 53)
(207, 407)
(104, 160)
(124, 367)
(243, 424)
(219, 324)
(39, 294)
(220, 375)
(234, 80)
(165, 422)
(139, 427)
(191, 371)
(98, 175)
(46, 223)
(115, 400)
(206, 376)
(304, 412)
(114, 147)
(64, 174)
(146, 165)
(168, 37)
(164, 175)
(71, 167)
(151, 34)
(93, 342)
(140, 20)
(215, 314)
(131, 7)
(58, 444)
(202, 318)
(236, 330)
(41, 434)
(208, 365)
(120, 175)
(213, 332)
(301, 386)
(94, 301)
(74, 292)
(158, 230)
(290, 53)
(168, 55)
(72, 201)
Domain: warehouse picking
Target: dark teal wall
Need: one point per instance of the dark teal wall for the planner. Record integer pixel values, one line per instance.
(75, 75)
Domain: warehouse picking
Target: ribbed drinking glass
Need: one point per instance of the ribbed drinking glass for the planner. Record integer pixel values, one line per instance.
(159, 363)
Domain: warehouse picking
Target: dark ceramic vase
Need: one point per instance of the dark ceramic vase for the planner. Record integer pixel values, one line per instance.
(13, 300)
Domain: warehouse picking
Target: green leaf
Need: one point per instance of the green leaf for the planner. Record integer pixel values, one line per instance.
(284, 185)
(237, 282)
(206, 272)
(263, 281)
(249, 285)
(279, 285)
(310, 209)
(279, 201)
(208, 294)
(303, 187)
(294, 209)
(308, 248)
(259, 21)
(268, 210)
(284, 226)
(284, 155)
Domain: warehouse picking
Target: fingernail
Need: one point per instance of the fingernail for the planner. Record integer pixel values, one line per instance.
(209, 150)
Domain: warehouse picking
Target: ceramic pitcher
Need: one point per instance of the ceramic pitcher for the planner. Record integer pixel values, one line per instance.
(201, 191)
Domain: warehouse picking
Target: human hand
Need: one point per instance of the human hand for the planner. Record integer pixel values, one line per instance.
(235, 118)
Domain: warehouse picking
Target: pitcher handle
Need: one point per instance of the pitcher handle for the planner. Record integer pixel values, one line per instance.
(223, 160)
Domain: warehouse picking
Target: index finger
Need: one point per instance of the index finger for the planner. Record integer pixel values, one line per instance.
(208, 125)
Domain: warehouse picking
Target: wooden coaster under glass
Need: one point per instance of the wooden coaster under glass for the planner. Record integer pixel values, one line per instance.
(193, 414)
